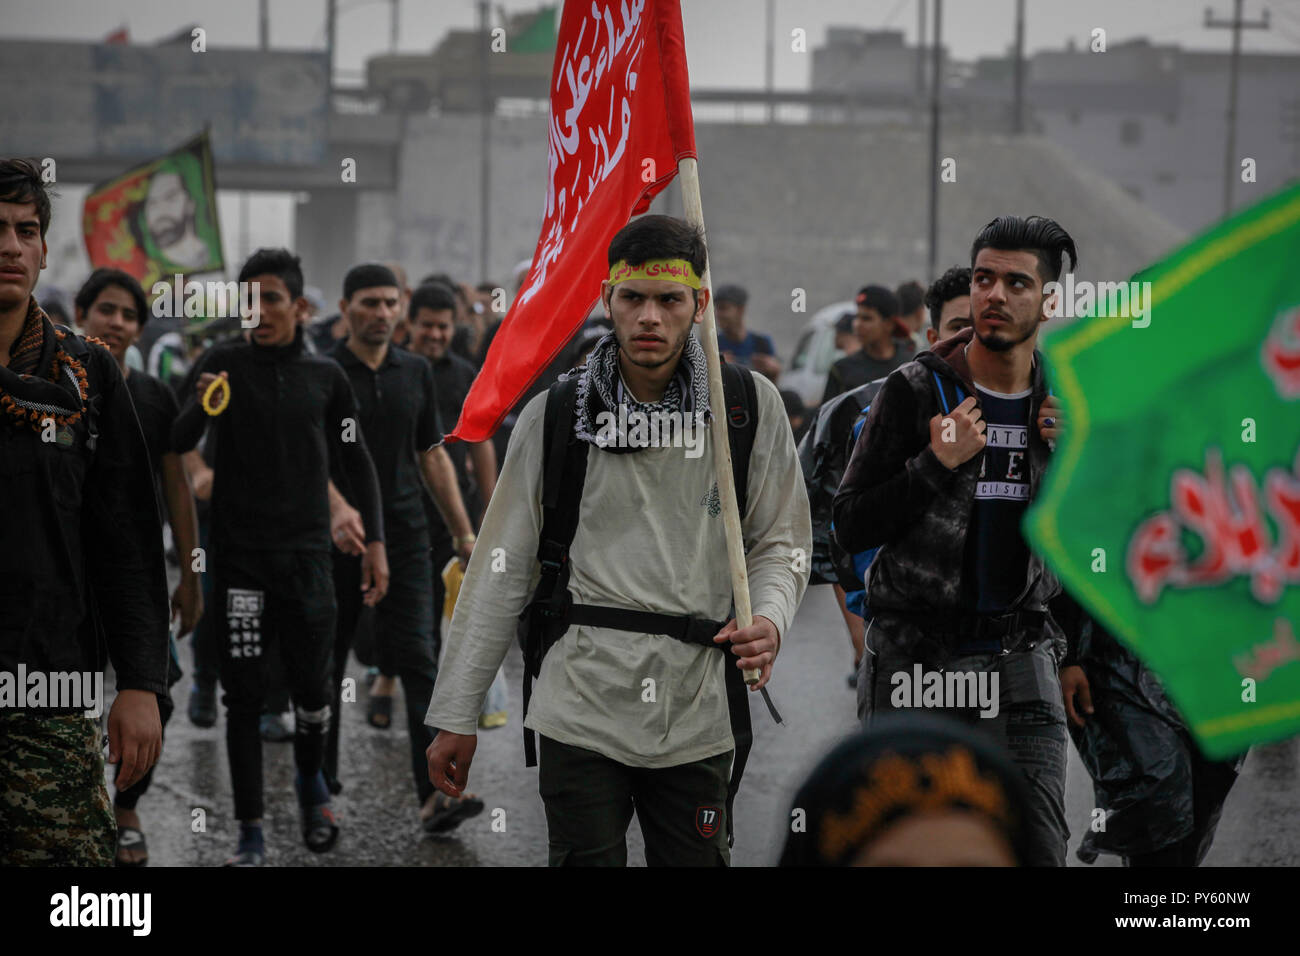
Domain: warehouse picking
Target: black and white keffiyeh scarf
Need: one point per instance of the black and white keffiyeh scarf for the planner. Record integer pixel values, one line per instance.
(600, 389)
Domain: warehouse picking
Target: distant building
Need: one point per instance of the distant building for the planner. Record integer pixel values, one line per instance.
(1150, 117)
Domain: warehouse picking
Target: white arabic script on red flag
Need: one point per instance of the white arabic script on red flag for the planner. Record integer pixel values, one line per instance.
(620, 121)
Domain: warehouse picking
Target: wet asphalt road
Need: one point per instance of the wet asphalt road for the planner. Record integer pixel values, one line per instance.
(378, 810)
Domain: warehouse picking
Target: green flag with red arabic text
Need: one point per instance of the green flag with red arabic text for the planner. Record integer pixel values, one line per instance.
(1172, 509)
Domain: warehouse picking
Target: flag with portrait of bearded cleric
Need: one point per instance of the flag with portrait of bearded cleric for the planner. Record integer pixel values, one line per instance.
(1172, 510)
(158, 219)
(620, 120)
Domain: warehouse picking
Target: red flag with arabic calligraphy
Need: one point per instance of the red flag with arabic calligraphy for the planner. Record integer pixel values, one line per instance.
(620, 120)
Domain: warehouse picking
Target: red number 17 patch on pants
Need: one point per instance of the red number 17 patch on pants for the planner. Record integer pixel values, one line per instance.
(706, 820)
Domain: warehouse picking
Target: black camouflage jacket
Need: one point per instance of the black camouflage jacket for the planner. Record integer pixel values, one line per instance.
(897, 495)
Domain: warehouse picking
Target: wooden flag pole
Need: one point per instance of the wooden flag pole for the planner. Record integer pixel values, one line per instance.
(689, 176)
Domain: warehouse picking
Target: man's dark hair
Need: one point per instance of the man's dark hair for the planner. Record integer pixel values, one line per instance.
(734, 294)
(911, 295)
(52, 305)
(485, 286)
(280, 263)
(879, 298)
(659, 237)
(441, 278)
(433, 296)
(100, 280)
(368, 275)
(1037, 234)
(20, 182)
(951, 285)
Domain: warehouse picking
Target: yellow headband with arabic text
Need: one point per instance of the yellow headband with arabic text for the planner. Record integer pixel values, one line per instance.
(665, 270)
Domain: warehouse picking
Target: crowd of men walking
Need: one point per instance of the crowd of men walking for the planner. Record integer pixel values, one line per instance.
(315, 512)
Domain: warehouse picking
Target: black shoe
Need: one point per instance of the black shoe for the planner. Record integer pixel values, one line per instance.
(247, 858)
(203, 705)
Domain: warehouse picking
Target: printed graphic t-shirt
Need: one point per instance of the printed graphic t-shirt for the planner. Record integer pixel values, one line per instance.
(996, 556)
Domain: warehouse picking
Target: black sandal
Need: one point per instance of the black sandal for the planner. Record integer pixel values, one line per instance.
(129, 838)
(319, 831)
(448, 812)
(380, 706)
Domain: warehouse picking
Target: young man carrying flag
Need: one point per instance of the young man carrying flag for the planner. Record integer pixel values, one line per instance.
(629, 717)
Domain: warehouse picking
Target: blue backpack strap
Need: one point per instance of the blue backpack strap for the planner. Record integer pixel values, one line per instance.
(944, 403)
(938, 387)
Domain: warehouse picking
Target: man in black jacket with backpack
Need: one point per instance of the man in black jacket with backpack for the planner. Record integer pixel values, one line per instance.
(966, 618)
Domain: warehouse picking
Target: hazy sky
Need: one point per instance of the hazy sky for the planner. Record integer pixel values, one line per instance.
(724, 38)
(724, 41)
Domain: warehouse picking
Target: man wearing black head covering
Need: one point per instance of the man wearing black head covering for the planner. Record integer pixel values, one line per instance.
(917, 790)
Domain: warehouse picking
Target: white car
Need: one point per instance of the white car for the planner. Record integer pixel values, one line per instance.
(815, 353)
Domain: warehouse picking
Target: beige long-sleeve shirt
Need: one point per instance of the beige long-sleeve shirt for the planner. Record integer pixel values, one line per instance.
(650, 537)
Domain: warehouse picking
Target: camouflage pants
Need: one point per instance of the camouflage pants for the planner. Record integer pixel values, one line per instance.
(54, 807)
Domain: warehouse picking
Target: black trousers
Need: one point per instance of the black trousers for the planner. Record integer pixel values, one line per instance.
(128, 798)
(589, 801)
(405, 640)
(269, 603)
(203, 642)
(1029, 723)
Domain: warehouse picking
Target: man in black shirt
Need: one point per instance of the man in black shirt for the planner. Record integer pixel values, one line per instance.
(111, 306)
(877, 326)
(284, 422)
(432, 322)
(81, 565)
(400, 422)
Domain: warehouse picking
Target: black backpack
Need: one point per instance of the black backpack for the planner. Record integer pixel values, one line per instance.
(551, 611)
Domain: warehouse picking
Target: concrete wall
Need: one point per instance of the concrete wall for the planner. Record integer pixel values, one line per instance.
(820, 208)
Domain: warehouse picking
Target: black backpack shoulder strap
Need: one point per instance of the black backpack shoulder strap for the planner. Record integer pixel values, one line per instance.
(564, 472)
(740, 395)
(564, 468)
